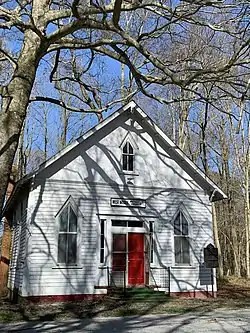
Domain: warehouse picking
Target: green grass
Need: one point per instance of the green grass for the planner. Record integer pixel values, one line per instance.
(145, 295)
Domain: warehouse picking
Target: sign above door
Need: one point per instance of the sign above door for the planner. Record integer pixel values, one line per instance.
(140, 203)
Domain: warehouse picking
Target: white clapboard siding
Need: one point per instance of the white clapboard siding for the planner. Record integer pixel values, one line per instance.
(18, 251)
(46, 278)
(14, 256)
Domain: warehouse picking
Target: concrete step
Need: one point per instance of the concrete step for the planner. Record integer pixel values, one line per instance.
(139, 295)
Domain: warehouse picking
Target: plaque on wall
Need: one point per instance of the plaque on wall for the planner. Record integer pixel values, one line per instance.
(140, 203)
(211, 256)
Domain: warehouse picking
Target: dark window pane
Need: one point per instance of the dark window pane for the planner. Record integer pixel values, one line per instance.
(102, 234)
(102, 256)
(177, 249)
(185, 250)
(125, 162)
(102, 241)
(72, 220)
(151, 249)
(151, 230)
(63, 220)
(119, 242)
(135, 224)
(184, 226)
(118, 223)
(119, 262)
(181, 245)
(177, 230)
(102, 227)
(131, 162)
(130, 149)
(150, 227)
(125, 148)
(152, 256)
(62, 248)
(72, 248)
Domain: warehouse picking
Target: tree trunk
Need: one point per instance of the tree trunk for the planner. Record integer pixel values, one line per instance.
(247, 206)
(20, 155)
(65, 128)
(217, 241)
(229, 205)
(45, 134)
(123, 93)
(184, 111)
(15, 99)
(6, 247)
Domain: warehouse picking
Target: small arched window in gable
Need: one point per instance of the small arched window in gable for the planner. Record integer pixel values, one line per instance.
(181, 239)
(128, 157)
(67, 237)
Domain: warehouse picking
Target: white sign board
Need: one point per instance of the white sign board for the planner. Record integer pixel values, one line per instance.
(140, 203)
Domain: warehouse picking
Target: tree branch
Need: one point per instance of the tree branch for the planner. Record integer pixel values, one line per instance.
(79, 110)
(57, 56)
(9, 57)
(117, 13)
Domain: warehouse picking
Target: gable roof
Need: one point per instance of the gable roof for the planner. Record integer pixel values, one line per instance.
(176, 153)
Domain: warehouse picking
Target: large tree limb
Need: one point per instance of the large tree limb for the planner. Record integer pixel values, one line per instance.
(80, 110)
(72, 43)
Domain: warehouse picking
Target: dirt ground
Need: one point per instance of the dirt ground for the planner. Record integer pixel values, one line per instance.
(232, 294)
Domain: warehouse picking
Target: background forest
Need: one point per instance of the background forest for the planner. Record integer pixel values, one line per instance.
(186, 63)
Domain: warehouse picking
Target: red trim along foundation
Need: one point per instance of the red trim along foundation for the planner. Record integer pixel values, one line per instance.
(195, 294)
(80, 297)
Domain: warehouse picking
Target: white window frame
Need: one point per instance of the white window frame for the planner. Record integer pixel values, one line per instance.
(69, 202)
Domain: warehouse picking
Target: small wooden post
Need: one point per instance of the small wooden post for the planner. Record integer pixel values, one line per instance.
(212, 282)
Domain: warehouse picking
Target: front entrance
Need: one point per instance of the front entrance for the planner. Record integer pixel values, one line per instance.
(135, 259)
(128, 267)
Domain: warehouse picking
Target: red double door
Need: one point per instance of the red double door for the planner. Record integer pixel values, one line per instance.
(128, 252)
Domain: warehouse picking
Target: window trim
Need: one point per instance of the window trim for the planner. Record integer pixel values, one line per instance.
(127, 222)
(70, 201)
(182, 209)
